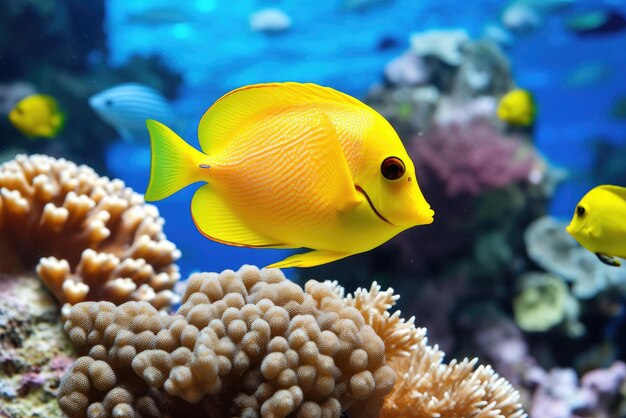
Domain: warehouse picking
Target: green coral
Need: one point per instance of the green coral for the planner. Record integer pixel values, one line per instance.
(543, 303)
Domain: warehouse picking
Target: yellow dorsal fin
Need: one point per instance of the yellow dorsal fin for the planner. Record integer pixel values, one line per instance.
(617, 190)
(50, 102)
(217, 222)
(233, 110)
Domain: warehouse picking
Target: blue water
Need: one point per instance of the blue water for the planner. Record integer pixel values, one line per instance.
(214, 49)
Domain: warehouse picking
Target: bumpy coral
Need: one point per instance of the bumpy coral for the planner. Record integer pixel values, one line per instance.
(89, 237)
(244, 344)
(427, 388)
(472, 158)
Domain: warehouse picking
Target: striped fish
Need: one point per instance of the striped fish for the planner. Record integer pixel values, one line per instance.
(127, 106)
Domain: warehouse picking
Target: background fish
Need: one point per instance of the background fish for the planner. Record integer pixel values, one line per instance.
(127, 106)
(37, 115)
(517, 107)
(292, 165)
(599, 223)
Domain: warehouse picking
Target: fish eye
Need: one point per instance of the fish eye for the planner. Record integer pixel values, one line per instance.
(19, 110)
(580, 211)
(108, 102)
(392, 168)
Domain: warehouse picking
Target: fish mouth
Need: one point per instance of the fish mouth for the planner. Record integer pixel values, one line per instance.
(360, 190)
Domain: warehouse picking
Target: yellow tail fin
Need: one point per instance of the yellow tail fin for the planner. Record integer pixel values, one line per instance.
(174, 164)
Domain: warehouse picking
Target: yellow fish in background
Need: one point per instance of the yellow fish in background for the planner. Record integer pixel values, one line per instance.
(292, 165)
(599, 223)
(37, 115)
(517, 107)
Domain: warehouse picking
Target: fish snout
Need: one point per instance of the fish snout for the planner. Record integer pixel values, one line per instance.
(95, 102)
(13, 117)
(426, 216)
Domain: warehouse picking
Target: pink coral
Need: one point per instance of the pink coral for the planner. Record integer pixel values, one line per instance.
(473, 157)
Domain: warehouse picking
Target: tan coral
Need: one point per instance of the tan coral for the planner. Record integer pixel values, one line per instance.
(428, 388)
(89, 237)
(253, 344)
(400, 336)
(247, 344)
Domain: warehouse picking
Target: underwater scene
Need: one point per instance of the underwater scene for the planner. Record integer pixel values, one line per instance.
(297, 208)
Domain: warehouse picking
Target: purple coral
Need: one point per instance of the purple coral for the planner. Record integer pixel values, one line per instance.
(559, 393)
(474, 157)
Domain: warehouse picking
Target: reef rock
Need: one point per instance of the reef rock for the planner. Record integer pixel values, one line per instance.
(34, 354)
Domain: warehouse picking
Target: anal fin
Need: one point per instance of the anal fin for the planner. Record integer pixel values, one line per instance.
(216, 221)
(309, 259)
(608, 260)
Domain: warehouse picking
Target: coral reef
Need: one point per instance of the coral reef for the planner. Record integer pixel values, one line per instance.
(34, 354)
(252, 343)
(89, 237)
(427, 388)
(454, 84)
(474, 157)
(446, 45)
(559, 393)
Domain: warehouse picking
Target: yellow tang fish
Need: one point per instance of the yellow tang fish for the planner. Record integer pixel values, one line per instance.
(37, 115)
(517, 107)
(292, 165)
(599, 223)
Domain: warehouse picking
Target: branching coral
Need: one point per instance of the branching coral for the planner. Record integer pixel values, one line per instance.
(399, 336)
(474, 157)
(252, 344)
(427, 388)
(90, 238)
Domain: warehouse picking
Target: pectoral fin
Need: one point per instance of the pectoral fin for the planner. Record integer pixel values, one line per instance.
(310, 259)
(608, 260)
(329, 164)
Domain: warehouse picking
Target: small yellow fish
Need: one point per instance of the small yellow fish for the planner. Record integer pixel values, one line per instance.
(292, 165)
(37, 115)
(517, 107)
(599, 223)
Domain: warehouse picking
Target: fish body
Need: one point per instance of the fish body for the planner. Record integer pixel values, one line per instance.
(599, 222)
(596, 22)
(517, 107)
(291, 165)
(127, 106)
(37, 115)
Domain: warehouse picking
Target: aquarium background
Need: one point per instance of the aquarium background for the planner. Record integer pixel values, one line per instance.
(476, 262)
(576, 81)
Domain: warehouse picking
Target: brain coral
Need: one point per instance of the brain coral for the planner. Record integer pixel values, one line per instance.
(89, 237)
(247, 344)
